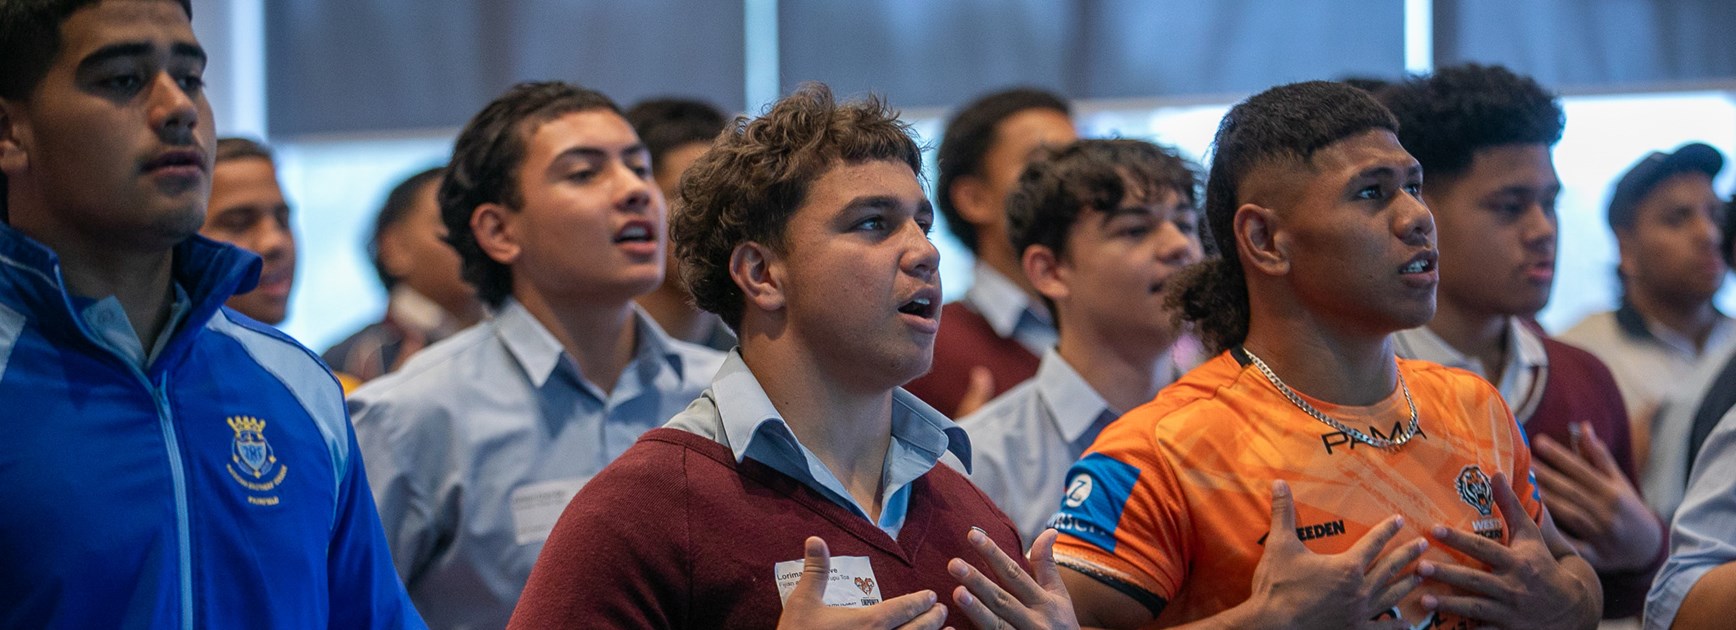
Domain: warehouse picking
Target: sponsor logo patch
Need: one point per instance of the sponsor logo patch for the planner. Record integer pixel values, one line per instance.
(1097, 490)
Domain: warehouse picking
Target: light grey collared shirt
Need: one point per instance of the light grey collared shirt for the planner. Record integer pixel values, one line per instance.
(1647, 366)
(736, 412)
(1010, 311)
(476, 445)
(1027, 437)
(1522, 378)
(1703, 534)
(1666, 473)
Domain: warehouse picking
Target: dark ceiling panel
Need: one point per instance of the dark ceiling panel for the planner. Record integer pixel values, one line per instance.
(1138, 48)
(369, 65)
(1592, 44)
(923, 53)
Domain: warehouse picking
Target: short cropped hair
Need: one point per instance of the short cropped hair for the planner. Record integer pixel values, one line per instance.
(239, 148)
(394, 211)
(966, 143)
(1285, 124)
(757, 173)
(485, 166)
(667, 124)
(29, 40)
(1446, 117)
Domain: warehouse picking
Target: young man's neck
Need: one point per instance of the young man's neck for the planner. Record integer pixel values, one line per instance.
(466, 314)
(1323, 361)
(668, 306)
(1126, 374)
(1693, 320)
(139, 278)
(999, 256)
(1478, 335)
(848, 428)
(600, 337)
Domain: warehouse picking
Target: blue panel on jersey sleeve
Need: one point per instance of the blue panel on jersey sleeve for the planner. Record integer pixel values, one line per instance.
(1097, 491)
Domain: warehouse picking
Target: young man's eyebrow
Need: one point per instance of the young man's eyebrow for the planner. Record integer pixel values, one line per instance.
(1525, 190)
(1126, 210)
(183, 49)
(1414, 170)
(586, 152)
(876, 202)
(888, 203)
(140, 49)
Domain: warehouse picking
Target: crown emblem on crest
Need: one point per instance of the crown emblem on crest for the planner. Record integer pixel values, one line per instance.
(246, 424)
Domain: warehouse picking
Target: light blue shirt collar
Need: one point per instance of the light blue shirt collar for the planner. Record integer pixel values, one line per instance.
(1074, 405)
(1000, 301)
(539, 354)
(108, 320)
(752, 428)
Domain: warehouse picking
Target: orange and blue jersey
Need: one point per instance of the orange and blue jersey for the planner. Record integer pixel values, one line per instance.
(1172, 503)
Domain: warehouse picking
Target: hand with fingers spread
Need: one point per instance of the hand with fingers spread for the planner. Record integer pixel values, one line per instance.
(1595, 504)
(806, 607)
(1295, 587)
(1531, 582)
(1013, 599)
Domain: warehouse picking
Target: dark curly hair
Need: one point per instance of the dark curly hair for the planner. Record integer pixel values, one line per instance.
(1446, 117)
(29, 40)
(485, 164)
(1285, 125)
(755, 176)
(968, 138)
(1063, 183)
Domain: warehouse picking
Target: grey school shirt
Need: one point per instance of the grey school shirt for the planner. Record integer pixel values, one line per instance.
(476, 445)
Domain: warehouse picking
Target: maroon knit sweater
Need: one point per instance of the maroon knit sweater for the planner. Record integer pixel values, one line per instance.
(965, 341)
(675, 534)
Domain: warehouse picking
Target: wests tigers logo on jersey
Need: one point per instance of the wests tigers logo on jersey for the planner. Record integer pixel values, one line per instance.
(1474, 488)
(1477, 492)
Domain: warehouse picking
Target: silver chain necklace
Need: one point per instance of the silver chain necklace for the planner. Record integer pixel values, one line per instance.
(1381, 443)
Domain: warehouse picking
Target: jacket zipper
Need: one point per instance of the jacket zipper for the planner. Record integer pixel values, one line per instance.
(177, 472)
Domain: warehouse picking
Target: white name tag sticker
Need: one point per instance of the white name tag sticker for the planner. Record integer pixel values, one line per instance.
(536, 507)
(852, 583)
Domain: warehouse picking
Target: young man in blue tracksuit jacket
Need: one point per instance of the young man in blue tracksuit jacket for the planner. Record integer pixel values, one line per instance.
(164, 462)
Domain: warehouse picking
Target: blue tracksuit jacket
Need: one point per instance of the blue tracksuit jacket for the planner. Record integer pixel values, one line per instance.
(220, 487)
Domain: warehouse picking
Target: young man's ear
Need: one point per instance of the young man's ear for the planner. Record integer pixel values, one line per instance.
(1046, 273)
(14, 137)
(496, 232)
(394, 257)
(756, 270)
(1626, 251)
(1257, 234)
(974, 200)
